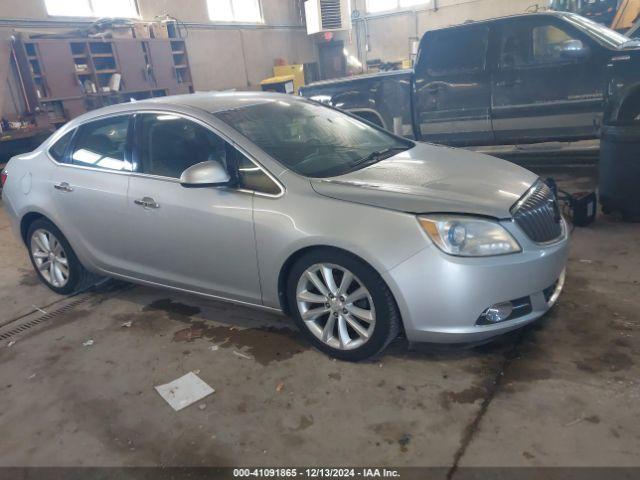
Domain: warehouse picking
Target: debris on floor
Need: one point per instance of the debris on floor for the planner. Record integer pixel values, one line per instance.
(127, 324)
(280, 387)
(213, 348)
(11, 343)
(240, 354)
(188, 334)
(184, 391)
(88, 343)
(39, 309)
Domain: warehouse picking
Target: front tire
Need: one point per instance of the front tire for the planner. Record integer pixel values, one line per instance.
(342, 305)
(54, 260)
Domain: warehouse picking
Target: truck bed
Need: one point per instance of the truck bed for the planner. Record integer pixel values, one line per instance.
(382, 98)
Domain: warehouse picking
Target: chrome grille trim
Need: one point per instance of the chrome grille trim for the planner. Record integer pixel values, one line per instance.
(538, 215)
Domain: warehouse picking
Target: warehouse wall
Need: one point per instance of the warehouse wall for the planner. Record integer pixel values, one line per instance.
(221, 56)
(389, 34)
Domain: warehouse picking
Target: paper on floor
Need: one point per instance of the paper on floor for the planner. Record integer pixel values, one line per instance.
(184, 391)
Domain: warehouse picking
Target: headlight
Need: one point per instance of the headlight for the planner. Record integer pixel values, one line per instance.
(468, 236)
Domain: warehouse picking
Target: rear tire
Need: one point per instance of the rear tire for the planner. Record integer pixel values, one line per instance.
(342, 305)
(54, 260)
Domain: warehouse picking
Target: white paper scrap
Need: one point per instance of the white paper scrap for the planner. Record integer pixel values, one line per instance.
(184, 391)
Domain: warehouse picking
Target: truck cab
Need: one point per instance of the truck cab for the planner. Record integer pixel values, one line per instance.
(521, 79)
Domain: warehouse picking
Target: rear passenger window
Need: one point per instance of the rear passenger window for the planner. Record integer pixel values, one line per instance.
(103, 144)
(60, 147)
(455, 51)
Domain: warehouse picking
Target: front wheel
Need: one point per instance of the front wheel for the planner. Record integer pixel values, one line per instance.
(55, 261)
(342, 305)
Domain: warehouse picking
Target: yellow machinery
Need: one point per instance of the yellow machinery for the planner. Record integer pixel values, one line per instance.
(281, 73)
(296, 70)
(280, 84)
(628, 14)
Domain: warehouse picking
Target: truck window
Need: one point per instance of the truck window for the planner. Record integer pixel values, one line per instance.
(454, 51)
(525, 45)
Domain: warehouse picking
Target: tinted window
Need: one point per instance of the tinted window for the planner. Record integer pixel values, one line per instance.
(529, 45)
(252, 177)
(58, 148)
(170, 144)
(102, 144)
(311, 139)
(455, 51)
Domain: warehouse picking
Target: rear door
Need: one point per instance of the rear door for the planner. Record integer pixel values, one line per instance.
(89, 187)
(541, 91)
(452, 90)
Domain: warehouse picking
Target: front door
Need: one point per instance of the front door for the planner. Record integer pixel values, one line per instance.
(548, 84)
(197, 239)
(452, 87)
(90, 191)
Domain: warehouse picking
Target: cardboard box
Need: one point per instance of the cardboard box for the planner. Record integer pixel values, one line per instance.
(159, 30)
(122, 32)
(141, 30)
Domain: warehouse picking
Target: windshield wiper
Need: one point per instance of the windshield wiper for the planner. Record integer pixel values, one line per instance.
(377, 156)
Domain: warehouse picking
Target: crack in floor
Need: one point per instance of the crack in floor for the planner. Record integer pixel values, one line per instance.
(471, 429)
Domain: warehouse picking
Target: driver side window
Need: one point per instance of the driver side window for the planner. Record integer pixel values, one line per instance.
(548, 42)
(169, 144)
(526, 45)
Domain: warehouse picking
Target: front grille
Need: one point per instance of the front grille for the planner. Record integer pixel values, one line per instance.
(537, 213)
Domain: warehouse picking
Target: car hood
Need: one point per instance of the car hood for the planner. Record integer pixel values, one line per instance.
(430, 178)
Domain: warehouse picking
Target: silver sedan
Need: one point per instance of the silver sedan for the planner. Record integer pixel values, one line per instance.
(280, 203)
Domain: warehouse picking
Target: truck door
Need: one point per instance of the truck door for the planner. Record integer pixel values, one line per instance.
(452, 90)
(548, 83)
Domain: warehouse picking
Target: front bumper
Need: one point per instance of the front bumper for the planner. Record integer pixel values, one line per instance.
(441, 297)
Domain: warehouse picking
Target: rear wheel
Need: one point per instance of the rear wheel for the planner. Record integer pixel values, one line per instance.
(342, 305)
(54, 260)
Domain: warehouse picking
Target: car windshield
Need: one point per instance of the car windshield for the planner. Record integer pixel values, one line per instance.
(598, 31)
(311, 139)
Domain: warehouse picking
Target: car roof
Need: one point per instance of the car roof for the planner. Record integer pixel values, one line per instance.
(195, 103)
(545, 13)
(213, 102)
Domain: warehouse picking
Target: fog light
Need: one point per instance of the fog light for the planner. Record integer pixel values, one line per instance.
(499, 312)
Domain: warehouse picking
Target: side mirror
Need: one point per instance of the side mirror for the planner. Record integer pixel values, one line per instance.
(205, 174)
(574, 49)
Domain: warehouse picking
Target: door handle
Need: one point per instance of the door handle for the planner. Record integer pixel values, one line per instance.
(63, 187)
(509, 83)
(436, 87)
(146, 202)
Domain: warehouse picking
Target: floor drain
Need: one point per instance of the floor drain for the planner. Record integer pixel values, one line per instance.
(24, 326)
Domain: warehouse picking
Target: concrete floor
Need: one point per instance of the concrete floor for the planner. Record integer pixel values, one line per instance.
(564, 392)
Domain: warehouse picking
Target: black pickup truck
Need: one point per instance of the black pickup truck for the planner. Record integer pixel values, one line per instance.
(551, 76)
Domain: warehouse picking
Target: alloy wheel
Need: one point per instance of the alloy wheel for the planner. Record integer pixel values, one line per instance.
(335, 306)
(50, 258)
